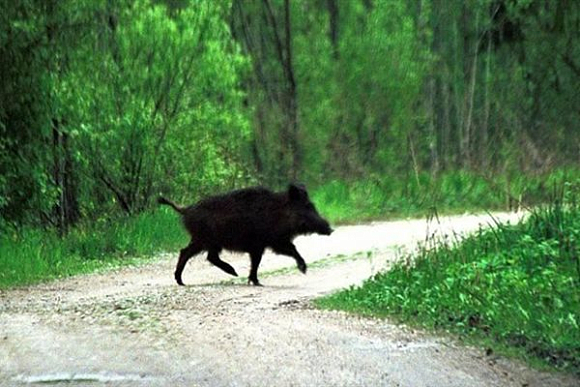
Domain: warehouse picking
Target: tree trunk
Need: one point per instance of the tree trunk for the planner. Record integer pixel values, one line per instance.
(466, 141)
(292, 109)
(58, 176)
(333, 10)
(66, 210)
(484, 151)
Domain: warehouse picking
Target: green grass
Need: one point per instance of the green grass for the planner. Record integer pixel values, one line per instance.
(380, 197)
(28, 256)
(515, 288)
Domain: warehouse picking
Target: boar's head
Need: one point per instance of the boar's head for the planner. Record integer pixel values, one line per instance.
(304, 218)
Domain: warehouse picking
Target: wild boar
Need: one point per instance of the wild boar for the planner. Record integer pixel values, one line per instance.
(248, 220)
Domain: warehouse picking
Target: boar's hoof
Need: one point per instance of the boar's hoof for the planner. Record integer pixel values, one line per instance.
(179, 281)
(254, 282)
(302, 267)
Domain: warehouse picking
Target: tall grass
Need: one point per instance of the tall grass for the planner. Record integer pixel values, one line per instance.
(379, 197)
(512, 286)
(29, 255)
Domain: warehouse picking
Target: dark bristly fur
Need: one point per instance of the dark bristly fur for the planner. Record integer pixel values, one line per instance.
(248, 220)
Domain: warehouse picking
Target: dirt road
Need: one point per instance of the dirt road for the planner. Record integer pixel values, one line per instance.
(136, 327)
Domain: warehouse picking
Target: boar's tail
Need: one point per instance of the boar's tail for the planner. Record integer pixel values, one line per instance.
(162, 200)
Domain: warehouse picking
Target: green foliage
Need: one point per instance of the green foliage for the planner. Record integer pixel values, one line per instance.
(161, 101)
(357, 110)
(31, 255)
(105, 104)
(24, 51)
(387, 196)
(516, 285)
(431, 86)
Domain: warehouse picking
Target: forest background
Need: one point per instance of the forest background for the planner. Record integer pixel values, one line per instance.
(382, 108)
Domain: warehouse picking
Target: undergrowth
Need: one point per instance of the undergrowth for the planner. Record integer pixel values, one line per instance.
(380, 197)
(514, 286)
(29, 255)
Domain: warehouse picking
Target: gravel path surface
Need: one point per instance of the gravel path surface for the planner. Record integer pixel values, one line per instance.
(136, 327)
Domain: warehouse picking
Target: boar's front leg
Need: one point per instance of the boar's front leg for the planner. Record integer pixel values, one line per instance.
(256, 258)
(214, 258)
(184, 256)
(288, 248)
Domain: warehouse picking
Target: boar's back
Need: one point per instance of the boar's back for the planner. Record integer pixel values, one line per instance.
(241, 220)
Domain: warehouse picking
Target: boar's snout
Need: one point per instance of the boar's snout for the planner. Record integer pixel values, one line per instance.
(313, 223)
(325, 229)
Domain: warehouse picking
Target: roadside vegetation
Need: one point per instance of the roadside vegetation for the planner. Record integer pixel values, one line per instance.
(512, 288)
(383, 197)
(30, 255)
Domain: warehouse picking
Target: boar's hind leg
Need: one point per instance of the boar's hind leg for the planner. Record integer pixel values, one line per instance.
(290, 250)
(184, 256)
(214, 258)
(256, 258)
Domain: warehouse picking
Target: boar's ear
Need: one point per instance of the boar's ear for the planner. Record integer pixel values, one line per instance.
(297, 192)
